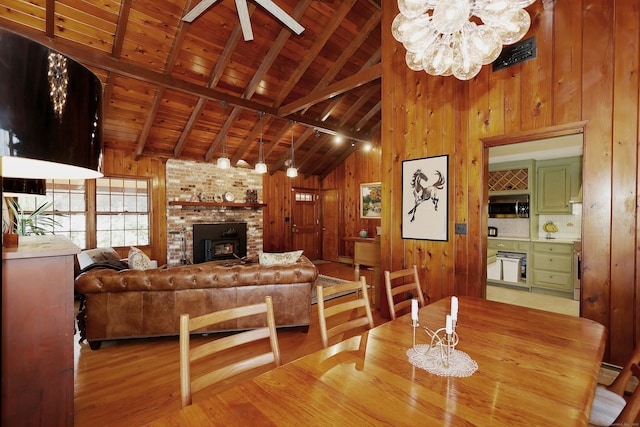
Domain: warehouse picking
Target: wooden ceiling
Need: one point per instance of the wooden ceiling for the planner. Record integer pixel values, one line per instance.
(174, 89)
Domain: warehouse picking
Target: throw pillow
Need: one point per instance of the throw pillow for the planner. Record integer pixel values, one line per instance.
(138, 260)
(283, 258)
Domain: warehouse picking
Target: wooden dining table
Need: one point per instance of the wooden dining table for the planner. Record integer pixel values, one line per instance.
(535, 368)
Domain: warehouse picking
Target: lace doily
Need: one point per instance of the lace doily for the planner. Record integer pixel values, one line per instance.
(460, 364)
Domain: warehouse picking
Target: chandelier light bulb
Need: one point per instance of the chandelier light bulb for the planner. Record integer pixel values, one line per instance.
(444, 37)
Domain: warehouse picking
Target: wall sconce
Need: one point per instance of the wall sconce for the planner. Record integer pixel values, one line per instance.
(50, 113)
(261, 166)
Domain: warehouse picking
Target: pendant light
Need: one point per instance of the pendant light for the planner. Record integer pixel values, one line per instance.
(292, 172)
(261, 166)
(223, 161)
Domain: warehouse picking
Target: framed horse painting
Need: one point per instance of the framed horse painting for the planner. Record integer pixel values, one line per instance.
(425, 195)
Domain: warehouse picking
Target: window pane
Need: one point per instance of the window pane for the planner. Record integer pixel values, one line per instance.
(130, 203)
(127, 203)
(76, 202)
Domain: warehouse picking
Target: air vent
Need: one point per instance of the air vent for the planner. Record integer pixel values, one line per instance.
(515, 54)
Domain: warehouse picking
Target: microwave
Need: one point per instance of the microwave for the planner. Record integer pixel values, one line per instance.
(509, 207)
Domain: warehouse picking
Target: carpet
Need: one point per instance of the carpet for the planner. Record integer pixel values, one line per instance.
(327, 281)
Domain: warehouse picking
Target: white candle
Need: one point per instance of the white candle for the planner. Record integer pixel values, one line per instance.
(449, 325)
(454, 308)
(414, 309)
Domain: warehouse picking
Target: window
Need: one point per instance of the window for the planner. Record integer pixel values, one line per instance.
(68, 209)
(122, 215)
(122, 212)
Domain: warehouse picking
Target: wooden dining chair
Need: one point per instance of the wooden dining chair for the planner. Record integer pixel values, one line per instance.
(188, 355)
(341, 315)
(410, 284)
(611, 404)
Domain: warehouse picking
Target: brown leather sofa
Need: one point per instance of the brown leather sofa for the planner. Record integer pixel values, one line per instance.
(147, 303)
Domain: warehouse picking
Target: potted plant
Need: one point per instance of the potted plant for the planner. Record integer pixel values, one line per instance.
(29, 223)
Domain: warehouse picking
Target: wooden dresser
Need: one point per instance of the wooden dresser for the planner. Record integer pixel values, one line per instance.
(37, 332)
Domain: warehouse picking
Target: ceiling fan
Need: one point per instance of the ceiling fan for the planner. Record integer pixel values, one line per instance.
(243, 14)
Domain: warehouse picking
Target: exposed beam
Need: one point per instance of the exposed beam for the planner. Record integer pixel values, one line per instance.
(342, 86)
(310, 55)
(149, 122)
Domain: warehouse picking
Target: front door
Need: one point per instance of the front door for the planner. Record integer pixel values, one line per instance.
(305, 222)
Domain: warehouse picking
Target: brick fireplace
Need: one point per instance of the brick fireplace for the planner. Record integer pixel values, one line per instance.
(187, 180)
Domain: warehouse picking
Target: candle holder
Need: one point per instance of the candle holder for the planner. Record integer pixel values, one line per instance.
(440, 356)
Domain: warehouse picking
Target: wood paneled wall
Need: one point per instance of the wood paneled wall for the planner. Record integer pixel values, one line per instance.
(124, 164)
(586, 70)
(359, 168)
(276, 193)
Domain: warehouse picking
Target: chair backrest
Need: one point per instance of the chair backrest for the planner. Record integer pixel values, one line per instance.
(340, 314)
(410, 283)
(188, 355)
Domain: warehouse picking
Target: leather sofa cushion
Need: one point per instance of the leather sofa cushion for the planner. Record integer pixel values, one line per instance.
(198, 276)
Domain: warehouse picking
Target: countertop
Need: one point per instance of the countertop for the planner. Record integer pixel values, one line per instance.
(537, 239)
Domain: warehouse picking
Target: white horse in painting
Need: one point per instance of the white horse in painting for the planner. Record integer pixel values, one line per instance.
(423, 192)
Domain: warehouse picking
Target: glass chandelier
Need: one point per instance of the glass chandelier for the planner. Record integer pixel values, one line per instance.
(292, 172)
(442, 39)
(261, 166)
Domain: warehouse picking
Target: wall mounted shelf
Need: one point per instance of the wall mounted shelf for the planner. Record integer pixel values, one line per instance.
(195, 205)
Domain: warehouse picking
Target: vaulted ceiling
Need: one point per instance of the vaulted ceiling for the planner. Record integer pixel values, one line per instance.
(174, 89)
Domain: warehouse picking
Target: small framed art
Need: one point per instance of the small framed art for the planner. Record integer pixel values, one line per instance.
(371, 200)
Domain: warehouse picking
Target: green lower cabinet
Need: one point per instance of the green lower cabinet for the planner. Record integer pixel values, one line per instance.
(552, 268)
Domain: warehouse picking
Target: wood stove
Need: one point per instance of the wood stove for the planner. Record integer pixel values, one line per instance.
(213, 242)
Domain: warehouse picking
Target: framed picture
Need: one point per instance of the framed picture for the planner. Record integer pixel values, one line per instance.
(425, 195)
(371, 200)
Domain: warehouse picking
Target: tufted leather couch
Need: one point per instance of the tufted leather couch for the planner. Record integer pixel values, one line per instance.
(146, 303)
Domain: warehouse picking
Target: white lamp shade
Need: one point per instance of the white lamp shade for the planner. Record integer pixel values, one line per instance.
(261, 167)
(292, 172)
(223, 163)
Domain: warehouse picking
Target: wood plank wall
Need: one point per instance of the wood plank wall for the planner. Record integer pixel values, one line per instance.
(586, 70)
(276, 193)
(120, 163)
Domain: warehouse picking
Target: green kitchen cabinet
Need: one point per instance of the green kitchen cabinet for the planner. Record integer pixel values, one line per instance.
(552, 268)
(558, 181)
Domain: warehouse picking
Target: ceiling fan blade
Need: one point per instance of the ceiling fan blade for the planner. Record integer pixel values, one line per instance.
(197, 10)
(245, 22)
(281, 15)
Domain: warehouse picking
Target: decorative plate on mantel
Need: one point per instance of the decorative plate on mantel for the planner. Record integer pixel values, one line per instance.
(228, 197)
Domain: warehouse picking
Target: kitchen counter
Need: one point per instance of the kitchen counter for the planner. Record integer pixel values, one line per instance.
(536, 239)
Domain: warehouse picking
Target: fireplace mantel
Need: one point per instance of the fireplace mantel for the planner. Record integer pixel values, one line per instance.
(194, 205)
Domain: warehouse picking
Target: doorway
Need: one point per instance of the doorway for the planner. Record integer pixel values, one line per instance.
(305, 222)
(538, 148)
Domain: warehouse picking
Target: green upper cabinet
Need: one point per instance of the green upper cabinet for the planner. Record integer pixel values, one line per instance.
(558, 181)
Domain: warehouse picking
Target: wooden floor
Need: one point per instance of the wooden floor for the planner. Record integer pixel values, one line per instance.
(133, 382)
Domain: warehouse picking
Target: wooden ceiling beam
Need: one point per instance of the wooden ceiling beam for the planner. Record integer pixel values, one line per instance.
(50, 18)
(311, 54)
(274, 51)
(348, 52)
(170, 63)
(345, 85)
